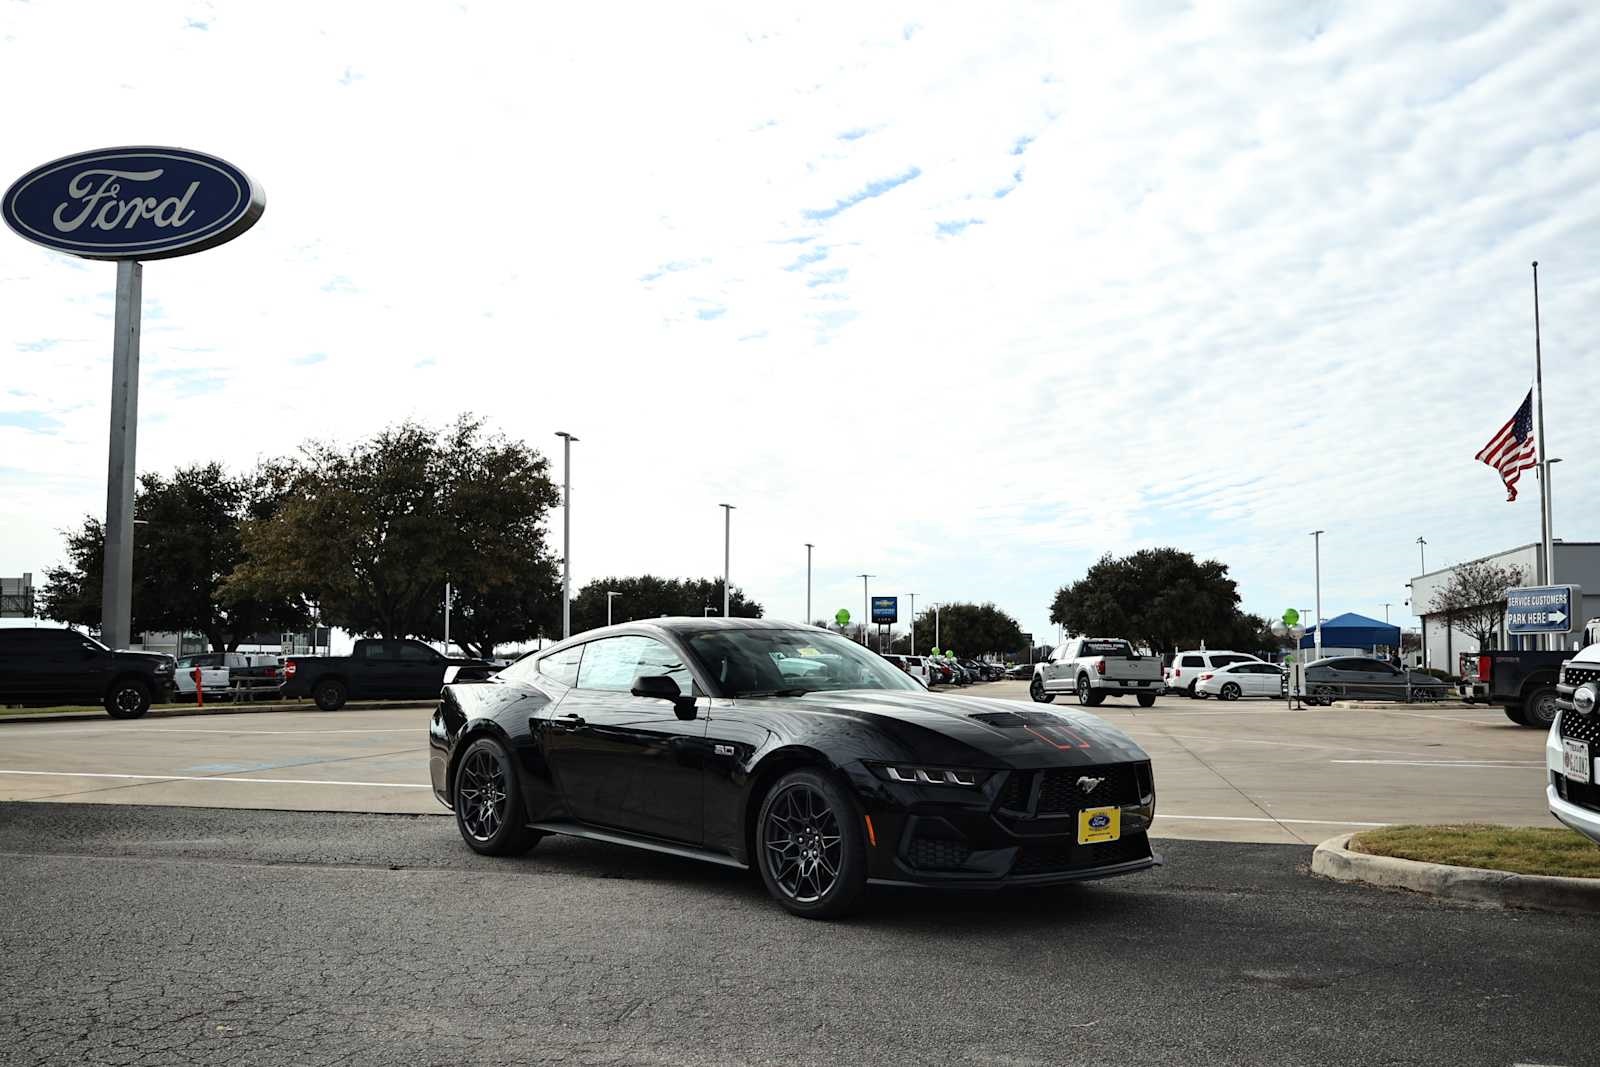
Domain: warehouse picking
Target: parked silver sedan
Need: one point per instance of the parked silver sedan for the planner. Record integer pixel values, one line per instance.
(1359, 678)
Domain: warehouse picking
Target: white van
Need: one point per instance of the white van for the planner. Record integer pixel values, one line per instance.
(1187, 667)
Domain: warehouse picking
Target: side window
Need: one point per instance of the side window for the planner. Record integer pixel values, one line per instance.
(657, 658)
(377, 650)
(560, 666)
(610, 663)
(1193, 661)
(1223, 661)
(417, 653)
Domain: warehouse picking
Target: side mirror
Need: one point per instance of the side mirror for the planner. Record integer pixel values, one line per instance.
(662, 687)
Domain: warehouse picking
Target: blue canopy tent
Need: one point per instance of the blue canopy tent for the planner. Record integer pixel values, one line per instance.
(1353, 631)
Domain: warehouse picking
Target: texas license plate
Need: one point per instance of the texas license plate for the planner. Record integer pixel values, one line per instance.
(1098, 825)
(1574, 760)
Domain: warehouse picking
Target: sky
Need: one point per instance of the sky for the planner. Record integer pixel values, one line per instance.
(965, 295)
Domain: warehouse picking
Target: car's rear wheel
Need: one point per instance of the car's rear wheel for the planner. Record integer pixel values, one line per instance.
(128, 698)
(811, 851)
(1539, 710)
(1086, 694)
(330, 695)
(1323, 694)
(1147, 700)
(488, 802)
(1191, 693)
(1514, 713)
(1036, 691)
(1231, 691)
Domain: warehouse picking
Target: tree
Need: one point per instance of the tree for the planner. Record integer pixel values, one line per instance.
(646, 596)
(1474, 599)
(1160, 597)
(186, 541)
(971, 630)
(371, 533)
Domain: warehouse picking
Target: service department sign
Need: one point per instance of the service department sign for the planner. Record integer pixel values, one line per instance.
(133, 203)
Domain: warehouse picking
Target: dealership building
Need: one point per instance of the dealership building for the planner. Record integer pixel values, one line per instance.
(1576, 563)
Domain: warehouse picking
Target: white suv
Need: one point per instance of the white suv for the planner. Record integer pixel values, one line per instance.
(1187, 667)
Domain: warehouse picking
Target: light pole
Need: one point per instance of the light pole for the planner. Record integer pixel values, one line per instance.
(1316, 538)
(1422, 555)
(566, 532)
(913, 623)
(809, 547)
(935, 625)
(727, 535)
(865, 605)
(1385, 612)
(610, 596)
(447, 618)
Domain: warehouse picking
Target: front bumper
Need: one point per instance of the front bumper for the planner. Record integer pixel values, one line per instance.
(1579, 808)
(1020, 828)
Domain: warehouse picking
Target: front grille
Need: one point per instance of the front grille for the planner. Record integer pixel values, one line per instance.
(1059, 792)
(1583, 794)
(1014, 794)
(1581, 727)
(1053, 858)
(929, 854)
(1573, 675)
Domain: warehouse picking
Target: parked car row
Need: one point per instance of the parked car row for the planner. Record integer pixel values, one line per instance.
(229, 674)
(947, 670)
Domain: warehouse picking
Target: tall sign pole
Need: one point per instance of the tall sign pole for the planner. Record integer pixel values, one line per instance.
(727, 554)
(1316, 538)
(1546, 545)
(866, 605)
(913, 624)
(566, 532)
(809, 547)
(129, 205)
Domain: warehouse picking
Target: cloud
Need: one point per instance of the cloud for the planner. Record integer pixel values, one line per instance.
(827, 277)
(310, 358)
(707, 314)
(813, 255)
(867, 192)
(852, 135)
(953, 227)
(30, 420)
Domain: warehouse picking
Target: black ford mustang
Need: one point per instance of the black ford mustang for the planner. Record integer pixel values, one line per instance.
(753, 743)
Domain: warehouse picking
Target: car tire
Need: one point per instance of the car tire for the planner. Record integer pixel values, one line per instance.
(1323, 695)
(1230, 691)
(1146, 700)
(330, 695)
(128, 698)
(1539, 710)
(1192, 694)
(1036, 691)
(1514, 714)
(793, 849)
(488, 803)
(1086, 694)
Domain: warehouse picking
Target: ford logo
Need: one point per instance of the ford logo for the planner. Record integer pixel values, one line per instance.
(133, 203)
(1099, 822)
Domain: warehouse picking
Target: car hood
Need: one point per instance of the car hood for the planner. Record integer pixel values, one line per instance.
(937, 728)
(129, 656)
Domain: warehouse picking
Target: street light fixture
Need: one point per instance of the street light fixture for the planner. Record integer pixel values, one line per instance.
(566, 532)
(610, 596)
(727, 535)
(1316, 538)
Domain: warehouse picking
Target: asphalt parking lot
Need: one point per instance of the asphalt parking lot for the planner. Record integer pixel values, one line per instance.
(161, 935)
(1246, 771)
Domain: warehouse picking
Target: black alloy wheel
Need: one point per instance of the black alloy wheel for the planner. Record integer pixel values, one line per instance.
(812, 856)
(1231, 691)
(1539, 710)
(1036, 691)
(128, 698)
(488, 802)
(330, 695)
(1323, 694)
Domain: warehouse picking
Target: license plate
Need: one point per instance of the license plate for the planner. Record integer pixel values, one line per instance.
(1098, 825)
(1574, 761)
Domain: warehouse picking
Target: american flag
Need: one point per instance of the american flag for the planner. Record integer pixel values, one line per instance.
(1512, 450)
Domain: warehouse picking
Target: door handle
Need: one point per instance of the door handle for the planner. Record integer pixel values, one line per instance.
(569, 721)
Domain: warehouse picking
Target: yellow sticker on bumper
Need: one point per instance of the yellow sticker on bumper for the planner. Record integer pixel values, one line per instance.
(1097, 825)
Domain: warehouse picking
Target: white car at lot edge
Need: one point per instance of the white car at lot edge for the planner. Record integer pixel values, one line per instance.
(1571, 789)
(1231, 681)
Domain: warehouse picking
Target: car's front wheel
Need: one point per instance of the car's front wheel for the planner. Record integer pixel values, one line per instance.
(128, 699)
(488, 802)
(1036, 691)
(811, 851)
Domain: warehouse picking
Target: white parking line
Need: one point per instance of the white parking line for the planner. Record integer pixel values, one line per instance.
(1261, 819)
(217, 778)
(1493, 764)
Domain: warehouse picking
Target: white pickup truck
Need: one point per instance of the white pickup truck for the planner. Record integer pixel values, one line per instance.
(227, 674)
(1095, 668)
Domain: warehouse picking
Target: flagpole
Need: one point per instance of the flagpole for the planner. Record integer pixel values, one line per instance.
(1546, 545)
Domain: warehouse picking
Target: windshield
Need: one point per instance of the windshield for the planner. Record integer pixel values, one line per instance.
(1113, 649)
(791, 662)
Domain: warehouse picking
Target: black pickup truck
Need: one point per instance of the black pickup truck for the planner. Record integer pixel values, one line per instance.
(376, 670)
(1524, 683)
(42, 666)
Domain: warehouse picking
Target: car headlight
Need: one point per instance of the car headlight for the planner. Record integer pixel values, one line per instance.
(917, 774)
(1583, 701)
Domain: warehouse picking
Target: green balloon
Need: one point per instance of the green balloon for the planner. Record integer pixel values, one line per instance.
(842, 616)
(936, 652)
(1291, 617)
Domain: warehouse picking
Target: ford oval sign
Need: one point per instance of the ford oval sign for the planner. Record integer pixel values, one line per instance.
(133, 203)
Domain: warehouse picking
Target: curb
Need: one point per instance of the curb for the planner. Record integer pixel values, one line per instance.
(1333, 859)
(189, 711)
